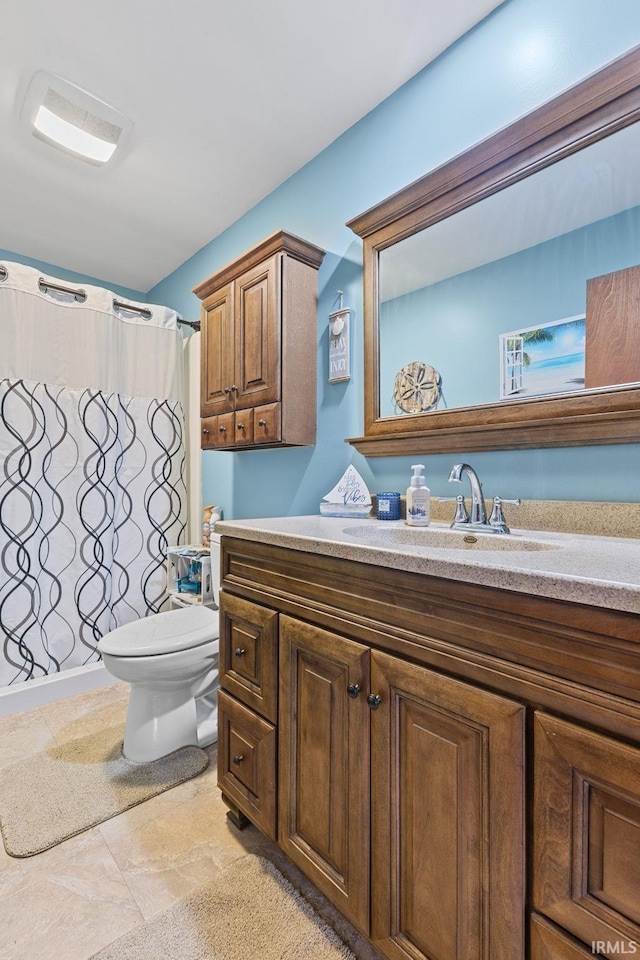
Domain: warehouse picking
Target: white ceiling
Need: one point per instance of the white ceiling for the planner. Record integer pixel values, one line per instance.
(227, 99)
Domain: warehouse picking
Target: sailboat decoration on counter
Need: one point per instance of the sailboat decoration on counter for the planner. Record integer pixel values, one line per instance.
(349, 498)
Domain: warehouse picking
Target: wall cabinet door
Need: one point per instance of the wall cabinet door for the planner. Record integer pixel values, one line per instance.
(217, 360)
(447, 817)
(324, 763)
(257, 335)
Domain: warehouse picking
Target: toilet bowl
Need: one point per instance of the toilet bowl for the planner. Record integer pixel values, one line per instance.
(171, 661)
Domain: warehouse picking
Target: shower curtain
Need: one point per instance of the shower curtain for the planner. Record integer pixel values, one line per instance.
(92, 466)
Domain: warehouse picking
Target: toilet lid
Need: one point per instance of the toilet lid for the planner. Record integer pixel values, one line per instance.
(162, 633)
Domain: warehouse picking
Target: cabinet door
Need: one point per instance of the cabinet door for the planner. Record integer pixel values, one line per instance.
(550, 943)
(257, 335)
(217, 368)
(323, 765)
(586, 831)
(447, 817)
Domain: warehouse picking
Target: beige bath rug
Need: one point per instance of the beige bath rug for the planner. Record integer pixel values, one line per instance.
(53, 795)
(248, 912)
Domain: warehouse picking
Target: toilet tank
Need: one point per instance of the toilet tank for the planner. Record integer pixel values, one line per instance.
(214, 546)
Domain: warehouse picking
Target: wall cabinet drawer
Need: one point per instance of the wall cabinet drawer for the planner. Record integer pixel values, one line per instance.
(243, 427)
(266, 423)
(249, 654)
(247, 762)
(217, 431)
(550, 943)
(587, 833)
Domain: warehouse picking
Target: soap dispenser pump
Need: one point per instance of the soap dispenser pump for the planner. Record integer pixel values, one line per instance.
(418, 499)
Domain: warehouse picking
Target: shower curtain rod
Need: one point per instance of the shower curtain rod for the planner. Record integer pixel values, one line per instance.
(80, 295)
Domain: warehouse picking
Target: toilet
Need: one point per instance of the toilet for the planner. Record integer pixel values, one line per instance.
(171, 661)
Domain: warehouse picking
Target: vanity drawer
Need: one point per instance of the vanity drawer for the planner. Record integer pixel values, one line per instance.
(586, 870)
(247, 762)
(549, 943)
(249, 654)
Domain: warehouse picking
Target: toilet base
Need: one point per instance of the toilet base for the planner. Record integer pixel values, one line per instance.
(207, 719)
(161, 720)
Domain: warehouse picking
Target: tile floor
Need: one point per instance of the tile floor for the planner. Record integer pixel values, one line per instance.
(72, 900)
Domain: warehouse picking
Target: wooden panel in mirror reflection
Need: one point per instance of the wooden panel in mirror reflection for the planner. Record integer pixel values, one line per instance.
(613, 325)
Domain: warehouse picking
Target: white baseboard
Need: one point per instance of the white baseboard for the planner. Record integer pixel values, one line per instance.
(35, 693)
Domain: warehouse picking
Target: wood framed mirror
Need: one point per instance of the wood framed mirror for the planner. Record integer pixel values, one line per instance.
(513, 270)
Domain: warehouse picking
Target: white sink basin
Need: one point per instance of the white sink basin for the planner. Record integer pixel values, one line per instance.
(378, 534)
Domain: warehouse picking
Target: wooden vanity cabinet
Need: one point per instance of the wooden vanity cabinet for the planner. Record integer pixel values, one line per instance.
(457, 767)
(324, 778)
(259, 347)
(587, 832)
(548, 942)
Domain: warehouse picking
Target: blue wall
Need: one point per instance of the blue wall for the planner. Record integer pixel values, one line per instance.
(526, 52)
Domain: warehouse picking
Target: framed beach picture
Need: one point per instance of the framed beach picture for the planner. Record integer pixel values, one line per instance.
(549, 358)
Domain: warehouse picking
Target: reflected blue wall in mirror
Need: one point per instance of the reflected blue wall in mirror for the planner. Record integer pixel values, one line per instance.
(455, 324)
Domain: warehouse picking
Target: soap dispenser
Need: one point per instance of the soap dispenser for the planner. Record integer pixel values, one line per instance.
(418, 499)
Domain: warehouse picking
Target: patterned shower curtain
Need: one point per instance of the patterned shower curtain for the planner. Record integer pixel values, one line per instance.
(92, 467)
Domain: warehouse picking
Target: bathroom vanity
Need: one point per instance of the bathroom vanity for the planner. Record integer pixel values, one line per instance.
(443, 735)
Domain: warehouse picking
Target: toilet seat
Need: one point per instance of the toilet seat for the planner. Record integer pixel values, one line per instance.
(162, 633)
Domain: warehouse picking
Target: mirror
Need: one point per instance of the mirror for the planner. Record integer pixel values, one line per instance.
(502, 291)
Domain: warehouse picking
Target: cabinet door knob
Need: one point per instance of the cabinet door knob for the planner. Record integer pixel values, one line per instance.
(239, 652)
(222, 429)
(353, 690)
(262, 423)
(238, 759)
(227, 390)
(234, 388)
(374, 700)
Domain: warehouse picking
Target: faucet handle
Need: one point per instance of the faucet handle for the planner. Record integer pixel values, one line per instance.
(461, 511)
(497, 519)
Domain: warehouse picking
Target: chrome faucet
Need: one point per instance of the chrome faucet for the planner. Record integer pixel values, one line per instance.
(478, 513)
(478, 519)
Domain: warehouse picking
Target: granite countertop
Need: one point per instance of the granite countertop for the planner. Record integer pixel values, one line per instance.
(601, 571)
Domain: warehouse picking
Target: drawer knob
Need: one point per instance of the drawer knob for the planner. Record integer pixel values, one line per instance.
(238, 759)
(239, 652)
(262, 423)
(205, 430)
(222, 429)
(353, 690)
(241, 426)
(374, 700)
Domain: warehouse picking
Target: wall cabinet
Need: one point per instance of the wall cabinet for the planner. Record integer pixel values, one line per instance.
(259, 347)
(429, 734)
